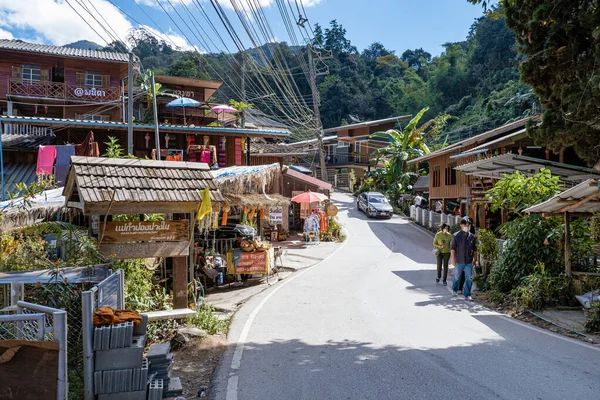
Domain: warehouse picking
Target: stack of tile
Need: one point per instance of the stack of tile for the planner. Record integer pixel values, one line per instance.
(161, 365)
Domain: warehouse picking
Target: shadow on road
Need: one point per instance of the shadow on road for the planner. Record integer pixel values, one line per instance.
(439, 295)
(293, 369)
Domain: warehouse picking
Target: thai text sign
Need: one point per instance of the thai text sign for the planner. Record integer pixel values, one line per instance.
(253, 263)
(276, 215)
(80, 92)
(161, 231)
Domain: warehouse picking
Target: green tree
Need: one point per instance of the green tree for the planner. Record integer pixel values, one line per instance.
(562, 45)
(406, 144)
(516, 192)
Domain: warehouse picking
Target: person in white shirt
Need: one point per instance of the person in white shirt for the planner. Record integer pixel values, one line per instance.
(418, 200)
(438, 206)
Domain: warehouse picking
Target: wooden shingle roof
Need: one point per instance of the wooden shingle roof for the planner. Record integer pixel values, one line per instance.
(108, 186)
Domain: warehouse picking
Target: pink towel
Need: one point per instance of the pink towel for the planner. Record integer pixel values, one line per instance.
(45, 161)
(205, 157)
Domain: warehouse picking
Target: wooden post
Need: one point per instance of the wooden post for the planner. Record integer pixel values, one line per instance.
(180, 270)
(192, 257)
(567, 246)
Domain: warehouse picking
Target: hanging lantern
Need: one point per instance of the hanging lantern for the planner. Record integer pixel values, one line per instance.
(215, 220)
(226, 208)
(252, 214)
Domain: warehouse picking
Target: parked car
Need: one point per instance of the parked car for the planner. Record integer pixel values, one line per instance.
(374, 204)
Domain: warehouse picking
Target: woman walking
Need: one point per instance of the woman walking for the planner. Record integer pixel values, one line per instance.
(441, 241)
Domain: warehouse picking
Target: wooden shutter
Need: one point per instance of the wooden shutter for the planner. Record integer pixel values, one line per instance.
(44, 75)
(16, 72)
(79, 78)
(105, 81)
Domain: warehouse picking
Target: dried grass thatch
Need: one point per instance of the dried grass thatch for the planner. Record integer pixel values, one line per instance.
(255, 200)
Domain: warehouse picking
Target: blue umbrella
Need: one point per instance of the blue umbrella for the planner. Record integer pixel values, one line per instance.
(183, 102)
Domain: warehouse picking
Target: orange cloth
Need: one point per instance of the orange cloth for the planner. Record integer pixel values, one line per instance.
(108, 316)
(322, 221)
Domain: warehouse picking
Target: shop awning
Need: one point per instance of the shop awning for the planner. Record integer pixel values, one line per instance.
(581, 199)
(496, 167)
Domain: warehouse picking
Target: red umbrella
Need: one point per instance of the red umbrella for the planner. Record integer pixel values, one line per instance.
(309, 197)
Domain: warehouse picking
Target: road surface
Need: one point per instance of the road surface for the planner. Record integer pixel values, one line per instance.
(371, 323)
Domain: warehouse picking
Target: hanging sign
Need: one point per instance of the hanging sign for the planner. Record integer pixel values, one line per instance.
(253, 263)
(275, 215)
(332, 210)
(161, 231)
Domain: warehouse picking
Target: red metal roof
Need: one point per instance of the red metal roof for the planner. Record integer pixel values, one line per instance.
(308, 179)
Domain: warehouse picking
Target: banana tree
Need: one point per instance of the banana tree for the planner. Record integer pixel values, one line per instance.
(144, 81)
(404, 145)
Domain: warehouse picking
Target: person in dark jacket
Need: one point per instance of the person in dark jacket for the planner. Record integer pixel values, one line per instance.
(463, 250)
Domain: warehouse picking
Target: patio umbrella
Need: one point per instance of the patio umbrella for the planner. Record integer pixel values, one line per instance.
(224, 108)
(183, 102)
(309, 197)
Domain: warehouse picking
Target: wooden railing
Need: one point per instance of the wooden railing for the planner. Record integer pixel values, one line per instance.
(59, 90)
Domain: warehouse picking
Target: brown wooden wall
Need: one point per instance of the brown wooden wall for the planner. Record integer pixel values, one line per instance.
(444, 191)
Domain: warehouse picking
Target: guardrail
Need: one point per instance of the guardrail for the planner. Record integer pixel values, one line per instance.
(61, 90)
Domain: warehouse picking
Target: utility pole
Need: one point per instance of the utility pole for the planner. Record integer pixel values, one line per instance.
(242, 113)
(317, 112)
(130, 104)
(156, 135)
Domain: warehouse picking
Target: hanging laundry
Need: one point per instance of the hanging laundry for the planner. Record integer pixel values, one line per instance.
(205, 157)
(63, 162)
(84, 148)
(45, 161)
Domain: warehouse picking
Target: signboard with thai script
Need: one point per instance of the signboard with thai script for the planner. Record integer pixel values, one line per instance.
(133, 231)
(275, 215)
(253, 263)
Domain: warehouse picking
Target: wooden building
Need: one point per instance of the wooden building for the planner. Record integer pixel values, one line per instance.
(461, 173)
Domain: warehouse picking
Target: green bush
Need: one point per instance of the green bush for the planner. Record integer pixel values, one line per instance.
(21, 252)
(206, 320)
(592, 318)
(487, 246)
(540, 290)
(523, 250)
(138, 284)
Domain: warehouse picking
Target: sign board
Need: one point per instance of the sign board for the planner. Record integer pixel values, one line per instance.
(253, 263)
(276, 215)
(161, 231)
(332, 210)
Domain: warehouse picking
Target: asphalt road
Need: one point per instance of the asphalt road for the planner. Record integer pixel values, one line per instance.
(371, 323)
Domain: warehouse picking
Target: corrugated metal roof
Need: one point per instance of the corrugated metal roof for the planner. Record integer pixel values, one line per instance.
(477, 140)
(122, 125)
(10, 141)
(496, 167)
(18, 173)
(110, 183)
(422, 183)
(486, 146)
(19, 45)
(308, 179)
(572, 196)
(367, 123)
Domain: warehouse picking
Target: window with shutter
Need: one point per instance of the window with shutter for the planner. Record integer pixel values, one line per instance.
(93, 78)
(105, 81)
(79, 78)
(45, 75)
(16, 72)
(30, 72)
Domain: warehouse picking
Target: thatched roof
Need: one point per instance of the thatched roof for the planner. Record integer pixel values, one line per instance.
(248, 179)
(255, 200)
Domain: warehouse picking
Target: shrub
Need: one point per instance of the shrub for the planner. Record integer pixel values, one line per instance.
(138, 284)
(592, 318)
(539, 290)
(206, 319)
(21, 252)
(487, 245)
(523, 250)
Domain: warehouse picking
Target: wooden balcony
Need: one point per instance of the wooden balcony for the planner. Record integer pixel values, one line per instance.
(62, 91)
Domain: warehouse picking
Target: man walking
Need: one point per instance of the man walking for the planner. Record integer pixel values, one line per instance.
(418, 200)
(463, 251)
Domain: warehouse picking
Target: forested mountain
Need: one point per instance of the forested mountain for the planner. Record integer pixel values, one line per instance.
(475, 81)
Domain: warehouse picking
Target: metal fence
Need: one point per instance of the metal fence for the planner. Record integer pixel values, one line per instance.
(34, 322)
(108, 293)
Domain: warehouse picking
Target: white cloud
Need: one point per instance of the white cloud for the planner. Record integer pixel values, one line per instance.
(171, 38)
(225, 3)
(154, 3)
(5, 34)
(57, 23)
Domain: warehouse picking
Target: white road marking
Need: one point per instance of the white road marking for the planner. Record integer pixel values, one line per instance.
(232, 384)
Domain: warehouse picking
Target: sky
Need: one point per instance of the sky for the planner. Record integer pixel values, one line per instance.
(398, 24)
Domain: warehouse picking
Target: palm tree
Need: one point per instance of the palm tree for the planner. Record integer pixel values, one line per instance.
(404, 145)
